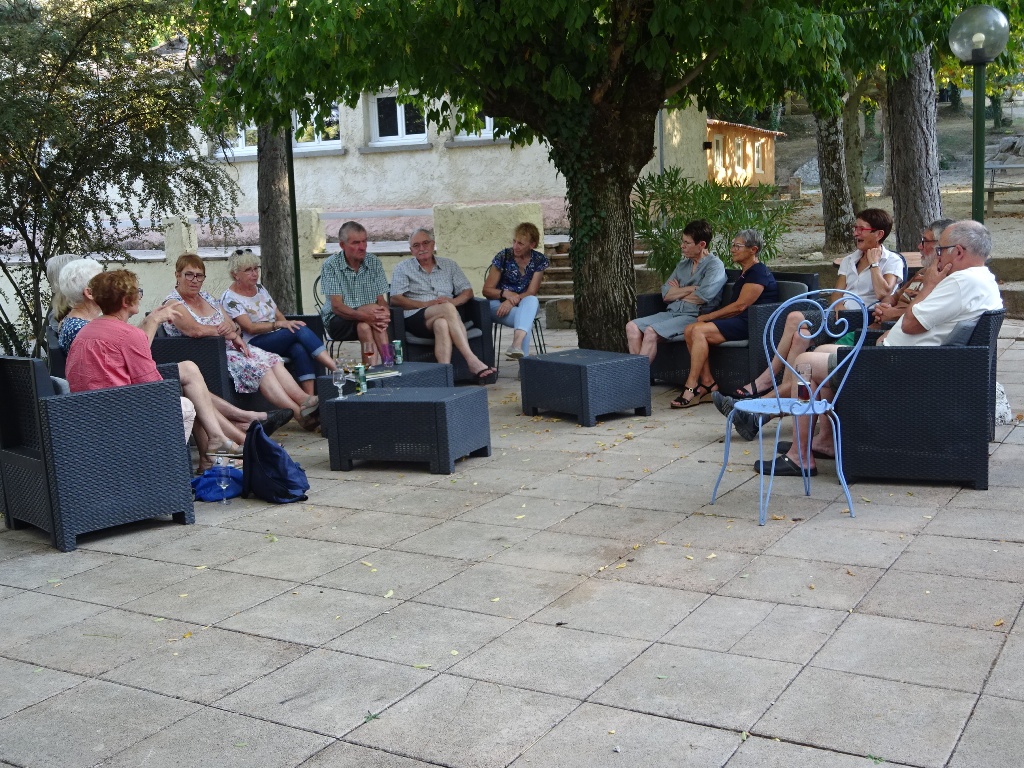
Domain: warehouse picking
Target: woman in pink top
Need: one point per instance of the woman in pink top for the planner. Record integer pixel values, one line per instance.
(110, 352)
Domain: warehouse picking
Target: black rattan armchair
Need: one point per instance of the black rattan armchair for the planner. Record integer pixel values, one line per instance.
(77, 463)
(419, 350)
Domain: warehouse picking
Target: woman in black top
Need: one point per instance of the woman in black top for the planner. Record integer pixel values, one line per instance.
(755, 285)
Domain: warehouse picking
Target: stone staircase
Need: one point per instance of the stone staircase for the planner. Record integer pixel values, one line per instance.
(557, 282)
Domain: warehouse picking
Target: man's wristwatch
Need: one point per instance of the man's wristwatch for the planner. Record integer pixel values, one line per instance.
(876, 265)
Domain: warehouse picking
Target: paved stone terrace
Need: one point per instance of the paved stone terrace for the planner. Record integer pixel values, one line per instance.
(572, 600)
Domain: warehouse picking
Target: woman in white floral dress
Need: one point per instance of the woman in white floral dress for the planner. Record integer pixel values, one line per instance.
(263, 325)
(251, 368)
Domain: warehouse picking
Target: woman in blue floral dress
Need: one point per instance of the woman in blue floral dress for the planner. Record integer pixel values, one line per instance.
(251, 368)
(512, 283)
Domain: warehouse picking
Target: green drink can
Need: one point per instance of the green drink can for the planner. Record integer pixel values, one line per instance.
(399, 356)
(360, 378)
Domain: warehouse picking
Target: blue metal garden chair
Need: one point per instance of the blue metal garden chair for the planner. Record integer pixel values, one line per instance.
(824, 327)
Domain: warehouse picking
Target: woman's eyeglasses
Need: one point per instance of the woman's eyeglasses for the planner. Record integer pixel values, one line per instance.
(193, 277)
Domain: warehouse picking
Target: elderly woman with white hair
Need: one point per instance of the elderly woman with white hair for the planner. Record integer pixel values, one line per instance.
(73, 285)
(263, 324)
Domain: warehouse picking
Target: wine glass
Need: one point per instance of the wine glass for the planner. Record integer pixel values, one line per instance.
(223, 481)
(369, 353)
(338, 378)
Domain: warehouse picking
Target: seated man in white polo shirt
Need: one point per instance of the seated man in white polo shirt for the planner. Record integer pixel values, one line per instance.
(429, 289)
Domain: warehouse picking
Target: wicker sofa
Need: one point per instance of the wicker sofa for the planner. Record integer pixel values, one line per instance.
(734, 363)
(938, 415)
(73, 463)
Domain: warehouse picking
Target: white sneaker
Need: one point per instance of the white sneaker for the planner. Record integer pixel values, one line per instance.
(514, 353)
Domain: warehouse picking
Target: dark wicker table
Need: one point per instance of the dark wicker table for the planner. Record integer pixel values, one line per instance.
(429, 424)
(413, 375)
(586, 383)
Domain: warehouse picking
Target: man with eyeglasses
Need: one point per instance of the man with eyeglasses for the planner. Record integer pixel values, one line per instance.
(892, 309)
(429, 289)
(960, 288)
(356, 288)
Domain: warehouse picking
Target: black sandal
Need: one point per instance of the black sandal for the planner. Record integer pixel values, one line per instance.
(753, 393)
(702, 393)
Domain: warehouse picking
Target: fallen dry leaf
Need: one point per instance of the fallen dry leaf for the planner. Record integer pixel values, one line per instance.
(999, 623)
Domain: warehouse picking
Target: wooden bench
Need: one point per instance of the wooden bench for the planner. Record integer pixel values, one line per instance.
(994, 186)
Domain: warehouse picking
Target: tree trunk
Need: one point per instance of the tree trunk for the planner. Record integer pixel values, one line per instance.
(835, 194)
(886, 145)
(956, 102)
(853, 145)
(997, 110)
(278, 274)
(600, 170)
(915, 166)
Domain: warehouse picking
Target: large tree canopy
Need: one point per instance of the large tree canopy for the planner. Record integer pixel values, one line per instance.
(586, 77)
(96, 127)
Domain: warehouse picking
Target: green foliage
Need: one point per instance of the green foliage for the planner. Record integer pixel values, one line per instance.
(97, 135)
(664, 204)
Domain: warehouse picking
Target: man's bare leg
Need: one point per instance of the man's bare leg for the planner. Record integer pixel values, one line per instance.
(194, 388)
(456, 331)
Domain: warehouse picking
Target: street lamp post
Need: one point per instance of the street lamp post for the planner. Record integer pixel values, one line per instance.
(977, 36)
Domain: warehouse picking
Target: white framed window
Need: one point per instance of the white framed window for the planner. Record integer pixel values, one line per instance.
(737, 151)
(309, 138)
(759, 156)
(394, 123)
(243, 141)
(719, 151)
(487, 132)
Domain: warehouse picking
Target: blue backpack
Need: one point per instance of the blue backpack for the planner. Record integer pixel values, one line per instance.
(268, 472)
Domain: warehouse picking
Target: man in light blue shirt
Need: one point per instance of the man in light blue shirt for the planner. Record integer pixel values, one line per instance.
(429, 289)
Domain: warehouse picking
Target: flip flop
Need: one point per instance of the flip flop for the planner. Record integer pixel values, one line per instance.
(231, 451)
(483, 374)
(743, 393)
(782, 466)
(784, 448)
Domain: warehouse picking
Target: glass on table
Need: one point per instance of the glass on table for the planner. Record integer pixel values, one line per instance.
(803, 384)
(387, 355)
(338, 378)
(369, 353)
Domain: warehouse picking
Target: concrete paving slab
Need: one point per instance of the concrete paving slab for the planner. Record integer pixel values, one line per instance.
(563, 552)
(992, 524)
(441, 503)
(96, 720)
(465, 723)
(27, 684)
(974, 558)
(520, 592)
(357, 494)
(288, 519)
(790, 633)
(1007, 679)
(621, 466)
(14, 545)
(519, 511)
(326, 691)
(771, 753)
(372, 529)
(297, 559)
(422, 636)
(670, 497)
(953, 600)
(890, 492)
(719, 623)
(212, 737)
(994, 498)
(619, 522)
(898, 518)
(134, 537)
(341, 754)
(620, 608)
(207, 546)
(912, 652)
(9, 592)
(204, 664)
(209, 597)
(836, 544)
(716, 689)
(566, 486)
(692, 568)
(466, 541)
(594, 735)
(868, 716)
(309, 615)
(992, 738)
(744, 502)
(404, 574)
(121, 579)
(29, 615)
(46, 568)
(709, 530)
(803, 582)
(100, 643)
(556, 660)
